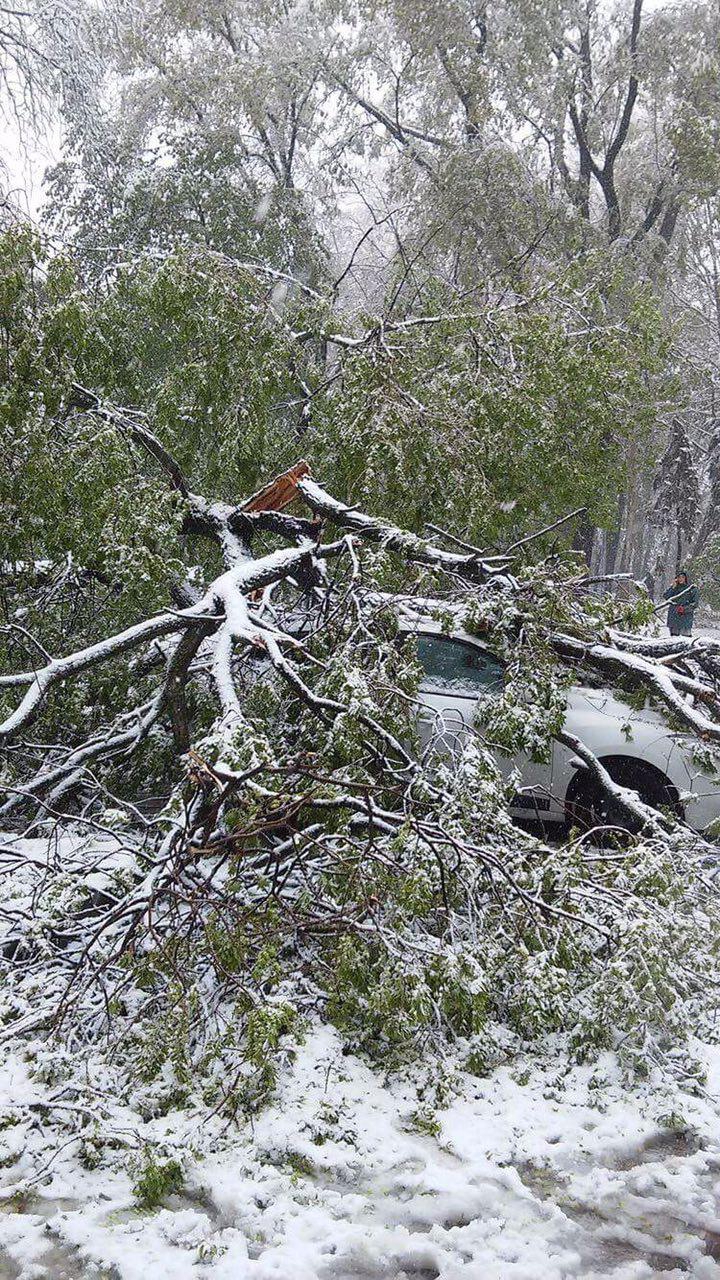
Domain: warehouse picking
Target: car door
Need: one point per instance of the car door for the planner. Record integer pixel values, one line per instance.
(459, 676)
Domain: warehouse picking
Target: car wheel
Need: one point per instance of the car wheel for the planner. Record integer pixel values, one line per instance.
(588, 806)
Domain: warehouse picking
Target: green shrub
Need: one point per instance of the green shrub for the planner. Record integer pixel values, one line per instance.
(156, 1180)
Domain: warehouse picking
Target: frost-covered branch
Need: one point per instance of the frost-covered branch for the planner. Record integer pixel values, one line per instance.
(408, 545)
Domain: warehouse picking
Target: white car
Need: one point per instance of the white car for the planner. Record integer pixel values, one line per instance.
(637, 748)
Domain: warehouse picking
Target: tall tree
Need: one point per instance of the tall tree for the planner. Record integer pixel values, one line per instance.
(676, 504)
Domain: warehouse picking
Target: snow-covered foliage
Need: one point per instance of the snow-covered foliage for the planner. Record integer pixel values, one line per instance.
(310, 862)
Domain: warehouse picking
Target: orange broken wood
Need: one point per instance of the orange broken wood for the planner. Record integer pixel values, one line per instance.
(280, 492)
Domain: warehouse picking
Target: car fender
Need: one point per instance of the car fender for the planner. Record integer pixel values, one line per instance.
(610, 727)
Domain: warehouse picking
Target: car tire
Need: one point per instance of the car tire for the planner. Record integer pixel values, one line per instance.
(588, 806)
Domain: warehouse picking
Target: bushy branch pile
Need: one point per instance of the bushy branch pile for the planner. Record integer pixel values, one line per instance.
(306, 856)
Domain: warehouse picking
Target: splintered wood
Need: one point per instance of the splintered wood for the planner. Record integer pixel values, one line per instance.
(280, 492)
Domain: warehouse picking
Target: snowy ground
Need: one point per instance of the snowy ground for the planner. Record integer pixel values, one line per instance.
(536, 1173)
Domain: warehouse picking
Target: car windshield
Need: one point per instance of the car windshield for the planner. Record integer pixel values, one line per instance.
(453, 666)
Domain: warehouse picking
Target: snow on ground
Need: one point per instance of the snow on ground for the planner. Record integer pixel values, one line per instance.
(537, 1172)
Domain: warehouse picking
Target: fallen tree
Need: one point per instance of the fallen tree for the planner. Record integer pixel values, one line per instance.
(305, 856)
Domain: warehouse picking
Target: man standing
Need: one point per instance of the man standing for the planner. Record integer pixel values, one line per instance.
(684, 599)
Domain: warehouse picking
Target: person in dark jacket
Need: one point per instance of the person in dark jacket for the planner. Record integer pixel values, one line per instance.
(683, 597)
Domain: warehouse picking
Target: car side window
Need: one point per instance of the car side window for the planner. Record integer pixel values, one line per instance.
(453, 666)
